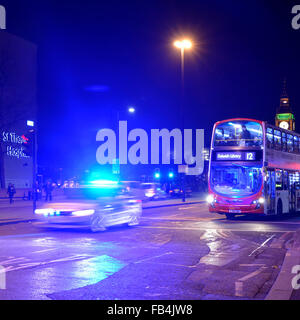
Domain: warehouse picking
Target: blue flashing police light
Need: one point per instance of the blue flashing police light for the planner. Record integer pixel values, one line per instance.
(171, 175)
(157, 175)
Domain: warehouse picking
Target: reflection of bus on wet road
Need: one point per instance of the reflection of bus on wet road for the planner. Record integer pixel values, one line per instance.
(254, 168)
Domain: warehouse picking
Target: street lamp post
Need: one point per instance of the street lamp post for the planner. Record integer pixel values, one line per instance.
(130, 110)
(33, 129)
(183, 45)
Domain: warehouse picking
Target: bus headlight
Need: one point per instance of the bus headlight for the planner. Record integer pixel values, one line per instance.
(259, 202)
(210, 199)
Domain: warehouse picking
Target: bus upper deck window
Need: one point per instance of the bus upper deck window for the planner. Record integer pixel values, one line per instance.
(296, 144)
(242, 133)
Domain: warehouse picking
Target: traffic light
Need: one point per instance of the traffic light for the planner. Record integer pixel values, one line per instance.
(171, 174)
(157, 173)
(28, 142)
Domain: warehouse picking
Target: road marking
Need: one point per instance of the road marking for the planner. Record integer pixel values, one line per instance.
(43, 263)
(181, 217)
(18, 260)
(202, 228)
(45, 250)
(283, 222)
(148, 260)
(251, 264)
(186, 208)
(34, 235)
(153, 257)
(177, 218)
(262, 245)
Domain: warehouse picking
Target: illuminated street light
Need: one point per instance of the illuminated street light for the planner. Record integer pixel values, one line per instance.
(30, 123)
(183, 44)
(131, 110)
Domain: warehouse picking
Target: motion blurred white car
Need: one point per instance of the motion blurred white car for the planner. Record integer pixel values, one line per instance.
(153, 191)
(144, 191)
(95, 207)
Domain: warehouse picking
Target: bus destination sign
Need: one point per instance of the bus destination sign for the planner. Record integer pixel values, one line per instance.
(236, 156)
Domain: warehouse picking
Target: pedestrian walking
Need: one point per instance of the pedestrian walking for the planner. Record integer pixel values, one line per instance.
(48, 190)
(11, 190)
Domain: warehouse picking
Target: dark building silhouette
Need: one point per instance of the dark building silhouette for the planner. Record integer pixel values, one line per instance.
(18, 63)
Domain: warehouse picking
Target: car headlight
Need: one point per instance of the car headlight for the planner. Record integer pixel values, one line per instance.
(45, 212)
(149, 194)
(210, 199)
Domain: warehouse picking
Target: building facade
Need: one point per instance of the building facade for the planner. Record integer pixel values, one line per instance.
(18, 76)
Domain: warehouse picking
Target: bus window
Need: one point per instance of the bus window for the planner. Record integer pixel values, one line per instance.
(284, 148)
(293, 178)
(235, 180)
(278, 179)
(269, 191)
(296, 144)
(277, 139)
(290, 144)
(270, 138)
(241, 133)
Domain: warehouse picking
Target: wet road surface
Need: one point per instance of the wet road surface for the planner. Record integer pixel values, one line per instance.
(181, 252)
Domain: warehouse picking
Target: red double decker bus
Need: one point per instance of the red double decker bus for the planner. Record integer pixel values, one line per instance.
(254, 169)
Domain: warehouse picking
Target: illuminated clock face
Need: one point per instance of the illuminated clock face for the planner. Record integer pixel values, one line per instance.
(284, 125)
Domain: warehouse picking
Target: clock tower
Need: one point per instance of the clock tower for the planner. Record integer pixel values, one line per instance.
(284, 115)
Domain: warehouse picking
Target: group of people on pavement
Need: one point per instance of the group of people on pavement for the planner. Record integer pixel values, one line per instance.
(48, 188)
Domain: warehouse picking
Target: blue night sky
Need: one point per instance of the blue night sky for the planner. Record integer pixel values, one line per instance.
(98, 56)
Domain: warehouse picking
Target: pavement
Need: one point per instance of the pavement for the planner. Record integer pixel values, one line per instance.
(283, 288)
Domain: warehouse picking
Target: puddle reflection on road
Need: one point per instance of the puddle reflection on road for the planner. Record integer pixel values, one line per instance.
(220, 251)
(73, 275)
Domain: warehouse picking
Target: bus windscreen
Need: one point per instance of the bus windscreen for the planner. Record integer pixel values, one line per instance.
(235, 180)
(241, 133)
